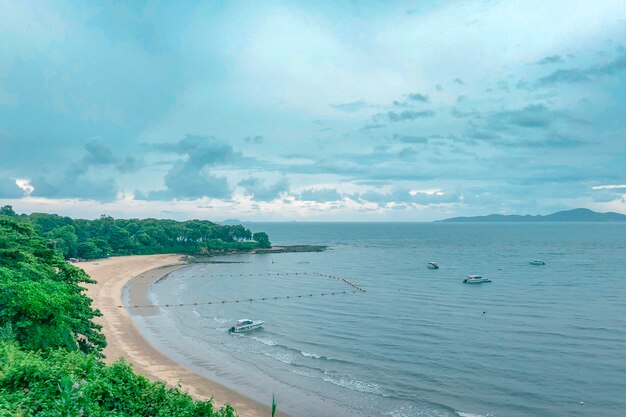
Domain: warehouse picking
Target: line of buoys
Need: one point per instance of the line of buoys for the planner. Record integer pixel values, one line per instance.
(345, 281)
(286, 297)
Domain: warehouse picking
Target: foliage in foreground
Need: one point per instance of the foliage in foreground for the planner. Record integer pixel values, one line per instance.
(66, 383)
(41, 295)
(50, 348)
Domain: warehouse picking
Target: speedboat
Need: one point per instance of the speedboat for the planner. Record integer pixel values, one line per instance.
(245, 325)
(537, 262)
(475, 279)
(433, 265)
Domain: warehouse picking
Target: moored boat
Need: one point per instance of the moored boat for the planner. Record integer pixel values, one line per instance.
(432, 265)
(537, 262)
(475, 279)
(245, 325)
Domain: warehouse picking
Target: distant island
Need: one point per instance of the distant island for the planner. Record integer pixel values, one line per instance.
(575, 215)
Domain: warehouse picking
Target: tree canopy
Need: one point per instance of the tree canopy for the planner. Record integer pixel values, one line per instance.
(50, 348)
(41, 296)
(106, 236)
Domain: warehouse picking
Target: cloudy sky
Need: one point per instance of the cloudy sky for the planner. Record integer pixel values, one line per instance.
(331, 111)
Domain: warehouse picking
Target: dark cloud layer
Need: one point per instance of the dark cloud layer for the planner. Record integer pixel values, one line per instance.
(79, 186)
(322, 195)
(580, 75)
(417, 97)
(406, 115)
(352, 106)
(261, 192)
(552, 59)
(190, 178)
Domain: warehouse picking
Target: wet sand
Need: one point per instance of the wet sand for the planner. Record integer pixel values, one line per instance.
(125, 340)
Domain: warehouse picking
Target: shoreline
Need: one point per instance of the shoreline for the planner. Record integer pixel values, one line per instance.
(126, 341)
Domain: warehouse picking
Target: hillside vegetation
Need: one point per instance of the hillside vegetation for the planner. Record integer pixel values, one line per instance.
(50, 348)
(106, 236)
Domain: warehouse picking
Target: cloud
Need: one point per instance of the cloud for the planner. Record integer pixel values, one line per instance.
(98, 153)
(552, 59)
(190, 178)
(129, 165)
(580, 75)
(407, 196)
(609, 187)
(410, 138)
(407, 115)
(255, 139)
(259, 191)
(371, 126)
(79, 179)
(25, 185)
(184, 182)
(531, 116)
(322, 195)
(352, 106)
(401, 103)
(608, 192)
(75, 184)
(418, 97)
(202, 151)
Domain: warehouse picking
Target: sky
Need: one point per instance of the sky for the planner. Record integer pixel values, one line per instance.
(312, 111)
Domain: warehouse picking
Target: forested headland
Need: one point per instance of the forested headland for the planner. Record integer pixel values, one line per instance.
(50, 348)
(106, 236)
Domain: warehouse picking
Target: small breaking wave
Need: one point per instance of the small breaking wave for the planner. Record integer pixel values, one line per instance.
(412, 411)
(220, 320)
(281, 357)
(266, 342)
(356, 385)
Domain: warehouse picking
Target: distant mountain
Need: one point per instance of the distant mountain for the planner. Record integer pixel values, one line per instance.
(575, 215)
(231, 222)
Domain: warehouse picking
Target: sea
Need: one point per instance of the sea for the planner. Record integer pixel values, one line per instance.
(390, 337)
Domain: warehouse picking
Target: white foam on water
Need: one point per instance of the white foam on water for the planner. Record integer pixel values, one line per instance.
(267, 342)
(355, 385)
(220, 320)
(310, 355)
(462, 414)
(281, 357)
(411, 411)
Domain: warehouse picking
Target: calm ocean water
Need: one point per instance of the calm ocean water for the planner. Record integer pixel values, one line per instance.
(537, 341)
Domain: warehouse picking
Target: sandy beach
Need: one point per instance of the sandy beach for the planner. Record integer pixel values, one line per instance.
(125, 340)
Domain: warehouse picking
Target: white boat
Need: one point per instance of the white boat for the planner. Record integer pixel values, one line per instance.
(475, 279)
(433, 265)
(536, 262)
(245, 325)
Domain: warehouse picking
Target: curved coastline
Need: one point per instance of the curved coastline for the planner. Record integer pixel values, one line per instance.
(124, 337)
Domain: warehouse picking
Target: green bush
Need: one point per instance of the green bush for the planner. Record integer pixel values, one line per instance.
(63, 383)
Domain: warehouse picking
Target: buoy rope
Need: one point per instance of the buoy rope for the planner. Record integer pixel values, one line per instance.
(356, 289)
(284, 297)
(345, 281)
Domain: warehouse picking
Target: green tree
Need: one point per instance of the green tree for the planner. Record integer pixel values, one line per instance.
(89, 250)
(41, 295)
(262, 239)
(66, 240)
(7, 211)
